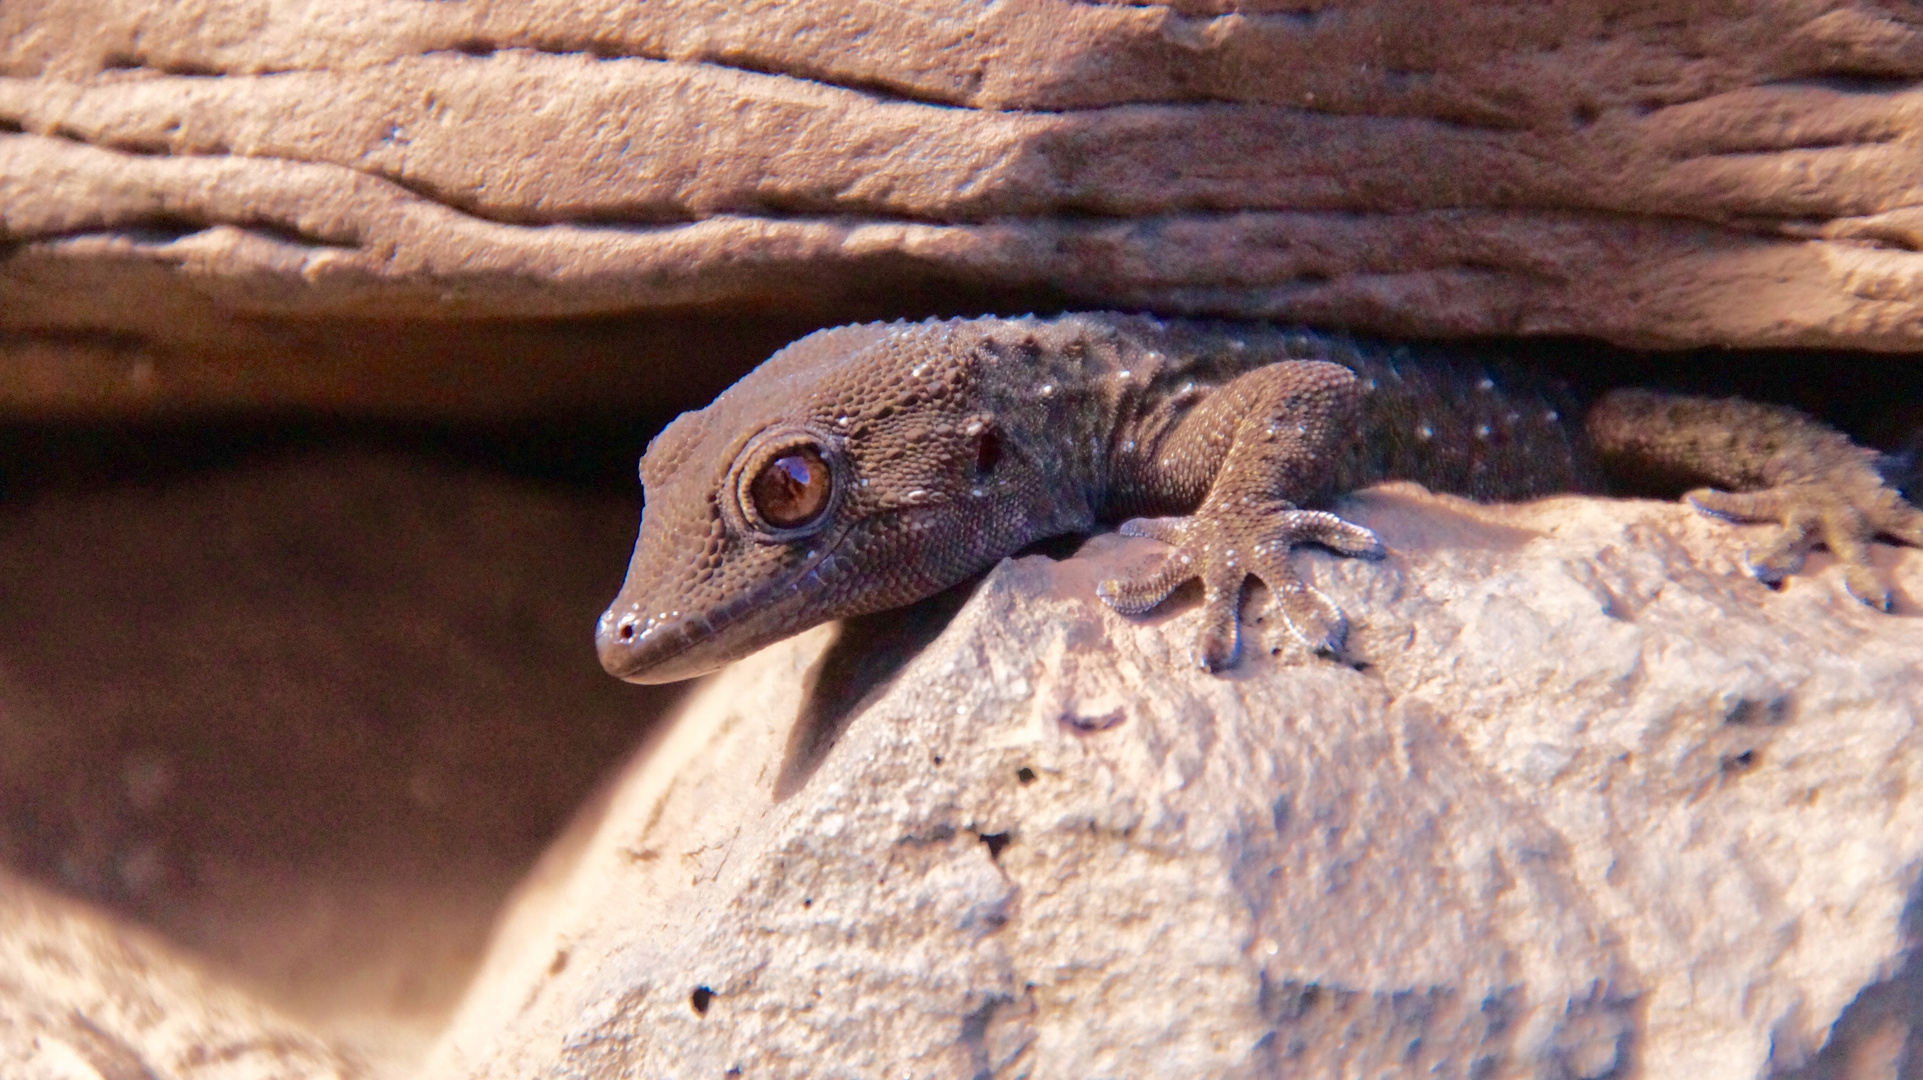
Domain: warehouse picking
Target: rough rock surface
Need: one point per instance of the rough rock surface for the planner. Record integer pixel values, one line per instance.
(1727, 174)
(84, 998)
(1597, 805)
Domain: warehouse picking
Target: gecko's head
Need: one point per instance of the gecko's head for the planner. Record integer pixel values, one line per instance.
(853, 471)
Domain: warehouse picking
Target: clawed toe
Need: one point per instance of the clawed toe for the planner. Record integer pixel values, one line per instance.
(1738, 506)
(1866, 584)
(1295, 527)
(1224, 554)
(1785, 551)
(1842, 519)
(1142, 593)
(1220, 643)
(1311, 617)
(1169, 530)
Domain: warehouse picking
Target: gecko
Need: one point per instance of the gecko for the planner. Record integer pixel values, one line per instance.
(866, 467)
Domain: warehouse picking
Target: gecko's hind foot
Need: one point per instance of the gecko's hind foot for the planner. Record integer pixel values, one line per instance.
(1845, 518)
(1223, 548)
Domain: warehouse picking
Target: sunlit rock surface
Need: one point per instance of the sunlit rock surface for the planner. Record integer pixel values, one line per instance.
(1591, 803)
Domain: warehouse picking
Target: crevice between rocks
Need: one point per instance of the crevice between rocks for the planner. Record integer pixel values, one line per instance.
(165, 229)
(181, 68)
(882, 91)
(1872, 233)
(1885, 230)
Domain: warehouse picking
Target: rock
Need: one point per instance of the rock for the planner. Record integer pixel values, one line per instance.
(1710, 176)
(1592, 803)
(85, 998)
(309, 716)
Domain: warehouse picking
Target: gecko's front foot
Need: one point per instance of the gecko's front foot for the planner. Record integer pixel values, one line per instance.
(1224, 550)
(1844, 517)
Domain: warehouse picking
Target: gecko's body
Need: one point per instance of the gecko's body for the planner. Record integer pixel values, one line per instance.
(866, 467)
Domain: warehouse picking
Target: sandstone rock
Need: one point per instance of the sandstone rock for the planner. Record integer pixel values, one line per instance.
(1593, 804)
(1728, 175)
(309, 717)
(83, 998)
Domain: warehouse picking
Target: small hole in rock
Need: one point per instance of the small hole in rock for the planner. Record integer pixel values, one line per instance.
(807, 901)
(286, 234)
(997, 843)
(162, 230)
(700, 999)
(559, 963)
(133, 146)
(1739, 763)
(1750, 711)
(190, 69)
(1084, 725)
(936, 759)
(1025, 774)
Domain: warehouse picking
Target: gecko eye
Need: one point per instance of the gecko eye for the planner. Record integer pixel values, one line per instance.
(791, 490)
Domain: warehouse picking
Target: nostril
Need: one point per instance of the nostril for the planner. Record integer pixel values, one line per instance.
(625, 631)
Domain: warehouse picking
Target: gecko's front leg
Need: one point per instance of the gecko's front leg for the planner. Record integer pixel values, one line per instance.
(1244, 457)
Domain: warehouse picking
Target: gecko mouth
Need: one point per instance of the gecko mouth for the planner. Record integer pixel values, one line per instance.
(670, 645)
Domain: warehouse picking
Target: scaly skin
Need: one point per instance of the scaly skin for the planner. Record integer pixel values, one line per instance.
(866, 467)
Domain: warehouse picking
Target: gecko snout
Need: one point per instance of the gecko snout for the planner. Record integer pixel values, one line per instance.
(666, 647)
(611, 636)
(625, 645)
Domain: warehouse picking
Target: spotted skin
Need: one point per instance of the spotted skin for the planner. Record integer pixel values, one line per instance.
(915, 455)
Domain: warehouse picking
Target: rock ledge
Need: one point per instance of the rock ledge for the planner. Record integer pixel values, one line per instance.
(1597, 804)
